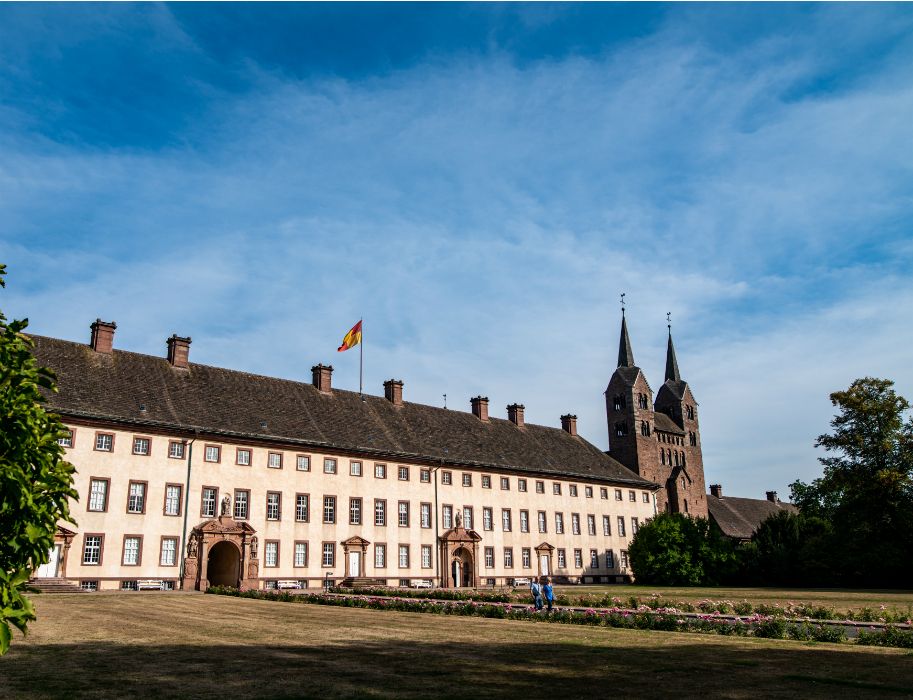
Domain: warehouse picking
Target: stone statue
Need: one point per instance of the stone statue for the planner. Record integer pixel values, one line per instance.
(226, 505)
(253, 547)
(459, 518)
(192, 547)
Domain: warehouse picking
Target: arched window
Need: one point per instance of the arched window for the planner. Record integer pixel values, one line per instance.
(683, 458)
(621, 429)
(645, 428)
(642, 400)
(676, 458)
(683, 483)
(662, 456)
(619, 402)
(686, 505)
(692, 439)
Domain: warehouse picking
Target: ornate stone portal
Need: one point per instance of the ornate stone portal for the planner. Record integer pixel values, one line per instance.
(459, 556)
(222, 551)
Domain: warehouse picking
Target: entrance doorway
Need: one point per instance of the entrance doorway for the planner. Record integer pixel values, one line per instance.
(52, 568)
(354, 564)
(461, 568)
(545, 565)
(223, 566)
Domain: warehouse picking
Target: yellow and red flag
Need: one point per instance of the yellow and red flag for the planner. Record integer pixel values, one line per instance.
(353, 338)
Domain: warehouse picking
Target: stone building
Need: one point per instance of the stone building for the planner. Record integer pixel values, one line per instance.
(192, 475)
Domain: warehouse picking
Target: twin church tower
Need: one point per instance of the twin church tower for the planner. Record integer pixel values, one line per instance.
(658, 440)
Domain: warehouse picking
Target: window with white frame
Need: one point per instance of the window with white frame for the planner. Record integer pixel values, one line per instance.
(176, 450)
(646, 496)
(169, 551)
(302, 507)
(572, 490)
(556, 488)
(91, 550)
(104, 442)
(380, 512)
(543, 525)
(354, 468)
(403, 513)
(136, 498)
(273, 505)
(446, 516)
(540, 487)
(487, 519)
(634, 524)
(303, 463)
(559, 523)
(424, 475)
(575, 524)
(242, 457)
(426, 556)
(354, 511)
(562, 559)
(446, 478)
(578, 559)
(521, 485)
(380, 471)
(609, 559)
(467, 517)
(275, 460)
(526, 557)
(242, 504)
(621, 526)
(131, 551)
(489, 557)
(618, 494)
(329, 509)
(66, 440)
(594, 559)
(486, 481)
(606, 525)
(632, 496)
(425, 510)
(380, 556)
(404, 556)
(98, 495)
(211, 453)
(172, 499)
(271, 553)
(208, 506)
(524, 521)
(591, 524)
(328, 557)
(467, 479)
(402, 473)
(588, 491)
(329, 465)
(508, 557)
(301, 554)
(505, 483)
(604, 493)
(624, 560)
(506, 521)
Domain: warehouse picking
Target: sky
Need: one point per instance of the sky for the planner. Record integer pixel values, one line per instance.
(480, 183)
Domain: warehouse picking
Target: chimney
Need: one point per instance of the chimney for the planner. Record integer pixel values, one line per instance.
(716, 490)
(515, 414)
(569, 424)
(322, 376)
(179, 351)
(103, 336)
(480, 408)
(393, 391)
(772, 497)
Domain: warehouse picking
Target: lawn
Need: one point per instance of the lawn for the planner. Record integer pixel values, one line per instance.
(192, 645)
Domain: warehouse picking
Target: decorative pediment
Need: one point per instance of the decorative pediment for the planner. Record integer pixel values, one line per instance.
(225, 525)
(545, 547)
(461, 534)
(64, 532)
(355, 541)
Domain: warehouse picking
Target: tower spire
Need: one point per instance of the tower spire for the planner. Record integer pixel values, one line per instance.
(671, 363)
(625, 354)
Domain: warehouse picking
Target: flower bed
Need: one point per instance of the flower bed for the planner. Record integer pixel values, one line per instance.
(436, 593)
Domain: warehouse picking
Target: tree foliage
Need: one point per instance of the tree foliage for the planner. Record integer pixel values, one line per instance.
(35, 480)
(790, 549)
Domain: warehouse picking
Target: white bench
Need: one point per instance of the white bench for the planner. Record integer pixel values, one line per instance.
(149, 584)
(521, 582)
(421, 583)
(288, 584)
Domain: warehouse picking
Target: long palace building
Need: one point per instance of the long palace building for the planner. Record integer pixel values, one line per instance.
(192, 476)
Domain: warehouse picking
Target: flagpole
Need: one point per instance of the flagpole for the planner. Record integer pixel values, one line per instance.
(361, 358)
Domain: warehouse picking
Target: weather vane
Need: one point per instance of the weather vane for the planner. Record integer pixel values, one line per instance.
(622, 303)
(669, 320)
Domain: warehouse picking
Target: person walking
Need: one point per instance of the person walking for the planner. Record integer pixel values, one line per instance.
(536, 590)
(549, 593)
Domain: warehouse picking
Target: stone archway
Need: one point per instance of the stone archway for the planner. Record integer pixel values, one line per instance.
(228, 545)
(223, 565)
(462, 569)
(459, 548)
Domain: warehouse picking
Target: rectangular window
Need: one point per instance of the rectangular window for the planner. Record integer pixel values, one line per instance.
(505, 483)
(489, 557)
(132, 550)
(303, 463)
(486, 519)
(646, 496)
(328, 558)
(588, 491)
(424, 476)
(403, 513)
(594, 559)
(404, 556)
(403, 473)
(175, 450)
(540, 487)
(526, 557)
(508, 557)
(354, 468)
(302, 507)
(168, 555)
(380, 471)
(543, 526)
(380, 556)
(242, 457)
(66, 440)
(556, 488)
(446, 478)
(208, 501)
(426, 556)
(506, 521)
(606, 525)
(467, 517)
(274, 461)
(271, 553)
(621, 526)
(91, 550)
(242, 504)
(486, 481)
(624, 560)
(354, 511)
(524, 521)
(173, 499)
(521, 485)
(617, 494)
(104, 442)
(632, 496)
(572, 489)
(604, 494)
(575, 523)
(212, 453)
(591, 524)
(136, 497)
(467, 479)
(301, 554)
(426, 514)
(578, 559)
(273, 505)
(609, 559)
(329, 465)
(380, 512)
(562, 559)
(447, 516)
(98, 495)
(559, 523)
(634, 524)
(329, 509)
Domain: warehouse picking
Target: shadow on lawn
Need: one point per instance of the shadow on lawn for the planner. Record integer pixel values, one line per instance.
(406, 669)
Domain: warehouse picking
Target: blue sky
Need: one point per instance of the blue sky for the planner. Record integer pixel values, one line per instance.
(480, 182)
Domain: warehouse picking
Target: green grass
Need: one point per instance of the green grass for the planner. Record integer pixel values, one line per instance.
(191, 645)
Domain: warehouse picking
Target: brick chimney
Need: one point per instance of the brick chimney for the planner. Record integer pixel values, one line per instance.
(716, 490)
(393, 391)
(103, 336)
(515, 414)
(569, 424)
(772, 497)
(322, 377)
(480, 408)
(179, 351)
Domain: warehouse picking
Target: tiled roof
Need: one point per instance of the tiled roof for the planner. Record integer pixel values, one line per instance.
(739, 518)
(235, 404)
(663, 422)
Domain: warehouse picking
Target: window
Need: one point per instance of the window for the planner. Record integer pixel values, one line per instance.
(526, 557)
(208, 501)
(403, 473)
(132, 550)
(91, 550)
(575, 523)
(66, 440)
(540, 487)
(303, 463)
(521, 485)
(242, 501)
(467, 517)
(136, 497)
(486, 481)
(624, 560)
(273, 505)
(354, 468)
(446, 516)
(621, 526)
(489, 557)
(505, 519)
(621, 429)
(562, 559)
(634, 524)
(212, 453)
(424, 475)
(591, 524)
(578, 559)
(88, 585)
(559, 523)
(328, 555)
(645, 428)
(168, 556)
(505, 483)
(380, 556)
(275, 460)
(689, 411)
(632, 496)
(524, 521)
(425, 510)
(173, 499)
(104, 442)
(446, 478)
(329, 509)
(618, 494)
(609, 559)
(380, 512)
(692, 439)
(618, 402)
(588, 491)
(508, 557)
(662, 456)
(380, 471)
(301, 554)
(642, 401)
(606, 525)
(467, 479)
(594, 559)
(646, 496)
(543, 527)
(329, 465)
(556, 488)
(403, 513)
(302, 506)
(604, 493)
(354, 511)
(404, 556)
(242, 457)
(271, 553)
(686, 505)
(486, 519)
(572, 489)
(175, 450)
(426, 556)
(98, 495)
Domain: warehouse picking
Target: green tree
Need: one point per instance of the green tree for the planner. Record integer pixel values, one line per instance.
(790, 549)
(866, 491)
(673, 549)
(35, 480)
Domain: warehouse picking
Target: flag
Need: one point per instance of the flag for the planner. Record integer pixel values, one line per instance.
(353, 338)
